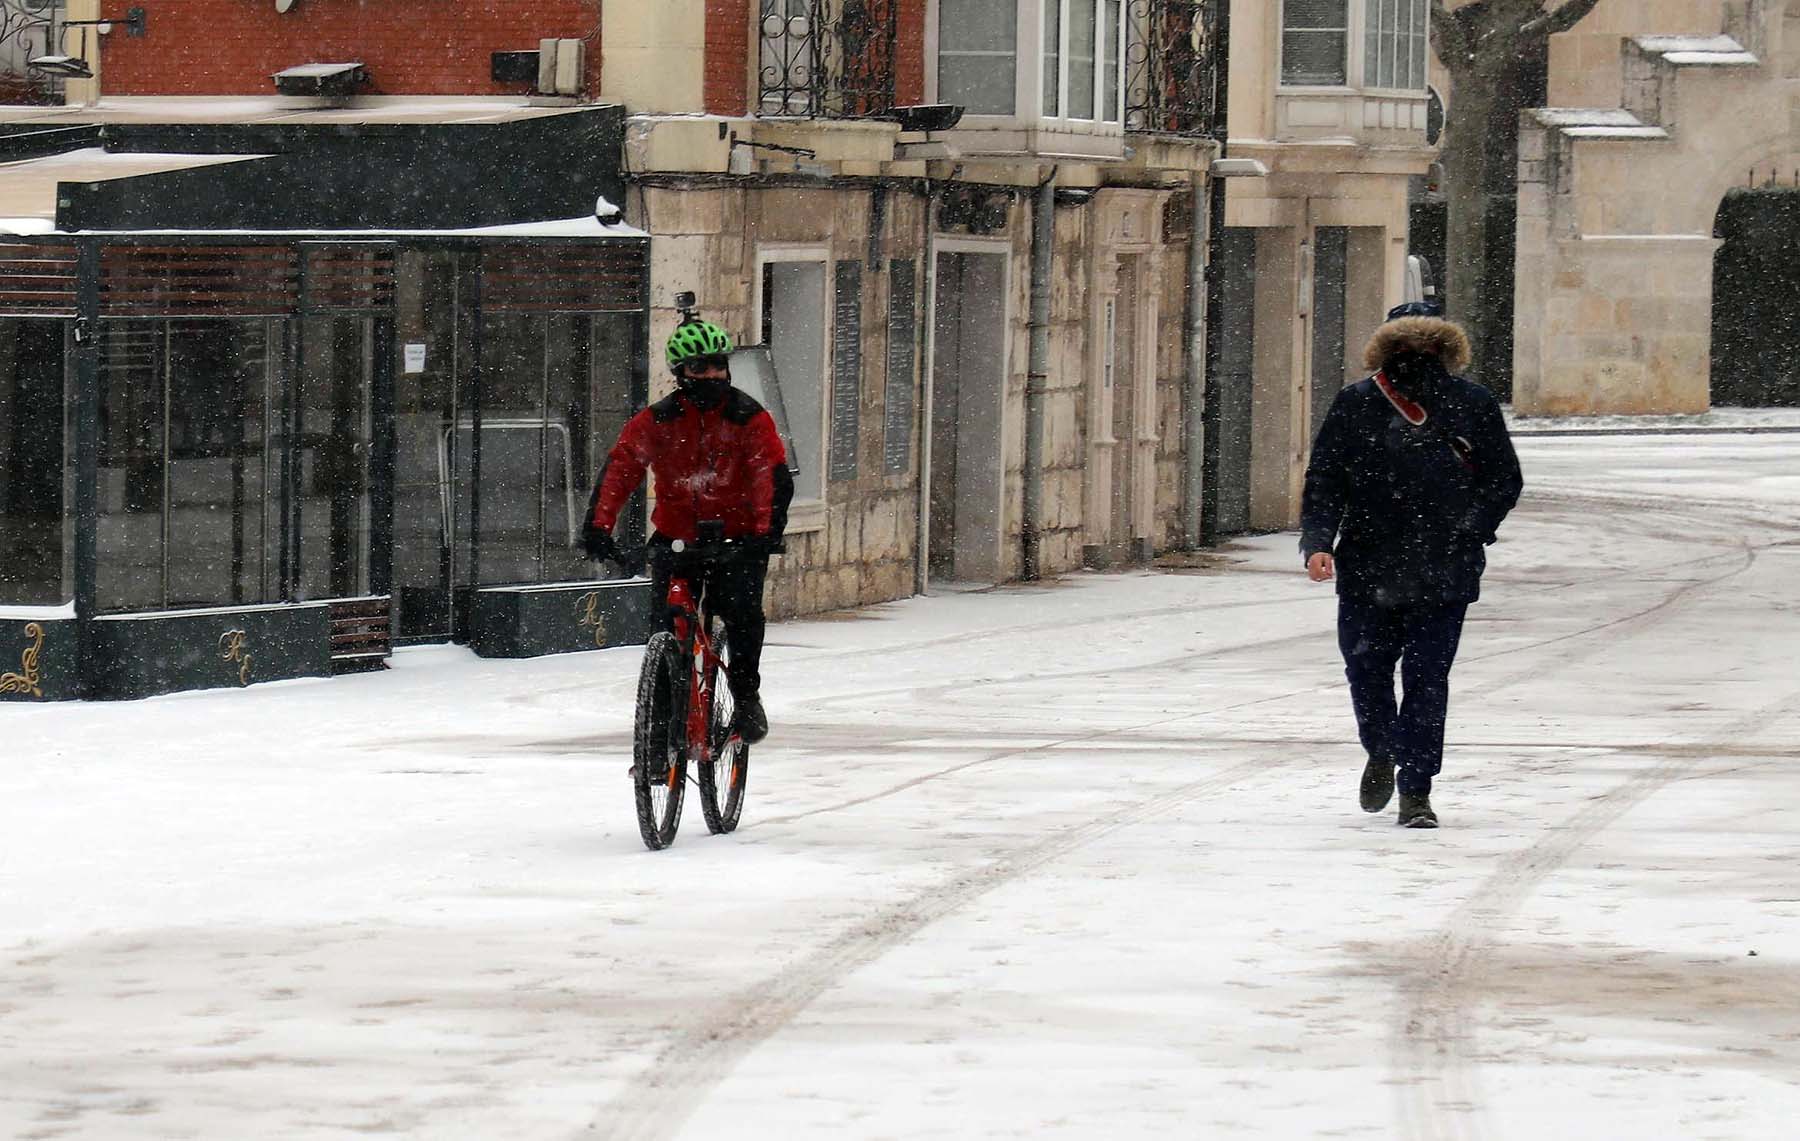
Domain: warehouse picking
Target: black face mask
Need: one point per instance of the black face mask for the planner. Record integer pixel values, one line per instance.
(1415, 374)
(705, 393)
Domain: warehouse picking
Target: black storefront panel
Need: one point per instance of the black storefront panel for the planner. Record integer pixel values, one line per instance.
(559, 618)
(143, 655)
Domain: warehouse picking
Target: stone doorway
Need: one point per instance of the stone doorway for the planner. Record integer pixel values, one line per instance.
(1756, 299)
(966, 474)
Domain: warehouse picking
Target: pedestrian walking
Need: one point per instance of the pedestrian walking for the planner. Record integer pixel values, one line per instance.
(1411, 475)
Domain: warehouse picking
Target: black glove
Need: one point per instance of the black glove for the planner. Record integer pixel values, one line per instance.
(773, 543)
(601, 546)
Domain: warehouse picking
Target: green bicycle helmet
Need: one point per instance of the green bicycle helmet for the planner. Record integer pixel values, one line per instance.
(696, 339)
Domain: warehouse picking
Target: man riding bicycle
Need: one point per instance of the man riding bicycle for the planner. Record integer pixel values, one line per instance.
(716, 456)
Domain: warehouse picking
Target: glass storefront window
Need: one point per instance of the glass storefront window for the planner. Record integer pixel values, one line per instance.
(218, 506)
(542, 438)
(238, 459)
(192, 465)
(130, 570)
(34, 450)
(336, 370)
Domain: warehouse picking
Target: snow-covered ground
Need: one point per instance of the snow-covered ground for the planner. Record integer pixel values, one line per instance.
(1078, 860)
(1714, 420)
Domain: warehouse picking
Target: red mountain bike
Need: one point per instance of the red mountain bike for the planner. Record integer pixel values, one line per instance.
(685, 711)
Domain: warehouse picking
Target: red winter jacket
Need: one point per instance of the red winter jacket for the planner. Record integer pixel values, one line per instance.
(723, 463)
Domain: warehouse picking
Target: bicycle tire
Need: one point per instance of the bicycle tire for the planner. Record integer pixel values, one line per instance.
(659, 733)
(722, 801)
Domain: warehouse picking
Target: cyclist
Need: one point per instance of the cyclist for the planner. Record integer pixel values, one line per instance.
(716, 455)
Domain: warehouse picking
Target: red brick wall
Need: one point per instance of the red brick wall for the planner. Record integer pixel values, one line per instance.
(727, 56)
(411, 47)
(909, 51)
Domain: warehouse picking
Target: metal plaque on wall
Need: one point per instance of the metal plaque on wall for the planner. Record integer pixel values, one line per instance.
(902, 359)
(846, 370)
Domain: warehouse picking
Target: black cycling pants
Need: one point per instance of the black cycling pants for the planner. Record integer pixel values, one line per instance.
(733, 589)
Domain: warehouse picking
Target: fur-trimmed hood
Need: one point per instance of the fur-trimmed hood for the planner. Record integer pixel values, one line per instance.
(1442, 339)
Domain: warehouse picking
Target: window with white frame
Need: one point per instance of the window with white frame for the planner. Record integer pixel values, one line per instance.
(793, 323)
(1394, 36)
(1315, 43)
(1317, 37)
(1065, 57)
(978, 44)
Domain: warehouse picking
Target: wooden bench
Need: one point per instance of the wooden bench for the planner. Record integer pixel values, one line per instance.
(362, 633)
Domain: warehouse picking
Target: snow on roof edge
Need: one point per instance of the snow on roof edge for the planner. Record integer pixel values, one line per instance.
(584, 227)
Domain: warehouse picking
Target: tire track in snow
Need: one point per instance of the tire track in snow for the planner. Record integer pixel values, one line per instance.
(1437, 1084)
(958, 639)
(705, 1051)
(1616, 629)
(1431, 1039)
(1579, 645)
(1438, 1087)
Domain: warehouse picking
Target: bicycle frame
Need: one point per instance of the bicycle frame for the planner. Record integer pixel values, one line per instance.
(701, 659)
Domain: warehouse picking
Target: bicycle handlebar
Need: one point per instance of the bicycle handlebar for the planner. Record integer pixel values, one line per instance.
(634, 561)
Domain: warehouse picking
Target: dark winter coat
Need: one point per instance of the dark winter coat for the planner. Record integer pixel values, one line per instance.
(1410, 508)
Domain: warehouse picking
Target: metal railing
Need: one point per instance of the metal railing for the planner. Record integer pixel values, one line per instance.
(831, 59)
(1171, 66)
(28, 29)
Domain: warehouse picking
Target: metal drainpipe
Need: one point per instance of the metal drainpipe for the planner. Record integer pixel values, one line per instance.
(1193, 428)
(1207, 526)
(1043, 234)
(927, 372)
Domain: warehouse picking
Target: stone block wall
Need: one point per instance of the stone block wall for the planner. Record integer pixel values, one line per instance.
(1171, 399)
(862, 546)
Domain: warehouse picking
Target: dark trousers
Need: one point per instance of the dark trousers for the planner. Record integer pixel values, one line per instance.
(1423, 640)
(733, 590)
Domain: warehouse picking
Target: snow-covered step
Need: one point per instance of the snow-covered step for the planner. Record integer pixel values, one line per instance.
(1597, 123)
(1697, 51)
(1653, 65)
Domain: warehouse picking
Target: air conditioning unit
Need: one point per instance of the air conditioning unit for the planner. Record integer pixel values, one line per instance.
(562, 66)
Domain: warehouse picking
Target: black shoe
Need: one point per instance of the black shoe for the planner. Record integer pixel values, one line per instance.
(1377, 784)
(751, 723)
(1415, 811)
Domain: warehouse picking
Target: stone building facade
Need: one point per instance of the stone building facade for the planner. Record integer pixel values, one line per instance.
(1331, 101)
(929, 450)
(1658, 111)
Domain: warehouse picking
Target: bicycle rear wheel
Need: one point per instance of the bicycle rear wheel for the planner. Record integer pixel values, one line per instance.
(658, 743)
(724, 767)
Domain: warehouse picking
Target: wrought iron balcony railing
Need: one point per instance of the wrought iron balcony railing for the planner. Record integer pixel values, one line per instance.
(1171, 66)
(29, 29)
(830, 59)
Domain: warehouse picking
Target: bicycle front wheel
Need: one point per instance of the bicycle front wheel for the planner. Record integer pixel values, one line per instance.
(658, 744)
(725, 766)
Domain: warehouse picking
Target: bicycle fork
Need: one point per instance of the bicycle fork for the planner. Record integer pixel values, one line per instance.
(696, 696)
